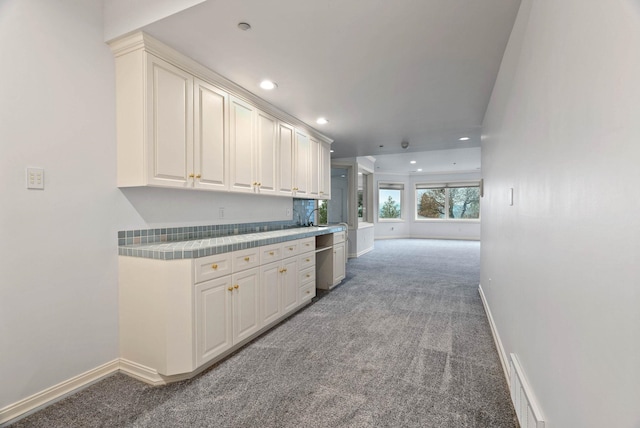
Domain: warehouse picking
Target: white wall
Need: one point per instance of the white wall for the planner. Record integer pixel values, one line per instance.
(560, 267)
(58, 258)
(124, 16)
(58, 294)
(409, 227)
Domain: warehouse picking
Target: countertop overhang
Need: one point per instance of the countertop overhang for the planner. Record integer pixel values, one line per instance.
(196, 248)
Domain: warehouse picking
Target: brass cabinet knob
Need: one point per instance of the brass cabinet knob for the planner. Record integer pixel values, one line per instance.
(290, 248)
(246, 259)
(199, 176)
(236, 286)
(308, 260)
(308, 292)
(308, 275)
(271, 253)
(191, 175)
(230, 288)
(214, 266)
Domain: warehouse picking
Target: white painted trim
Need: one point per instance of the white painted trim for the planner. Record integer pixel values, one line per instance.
(140, 40)
(504, 361)
(365, 251)
(456, 238)
(392, 237)
(57, 392)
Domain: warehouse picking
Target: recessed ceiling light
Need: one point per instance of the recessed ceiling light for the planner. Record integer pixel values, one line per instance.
(244, 26)
(419, 169)
(331, 151)
(412, 162)
(463, 139)
(268, 85)
(322, 121)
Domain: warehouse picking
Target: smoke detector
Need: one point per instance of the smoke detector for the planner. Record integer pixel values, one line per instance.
(404, 144)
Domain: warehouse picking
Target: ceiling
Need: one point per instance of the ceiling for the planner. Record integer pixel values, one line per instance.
(380, 71)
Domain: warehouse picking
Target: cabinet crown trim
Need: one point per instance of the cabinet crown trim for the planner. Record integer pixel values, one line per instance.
(142, 41)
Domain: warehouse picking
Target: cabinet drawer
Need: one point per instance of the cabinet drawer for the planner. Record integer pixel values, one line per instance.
(245, 259)
(290, 249)
(307, 244)
(307, 275)
(306, 260)
(270, 253)
(339, 237)
(211, 267)
(307, 293)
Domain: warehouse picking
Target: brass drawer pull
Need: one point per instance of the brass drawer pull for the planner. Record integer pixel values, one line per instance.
(271, 253)
(246, 259)
(214, 266)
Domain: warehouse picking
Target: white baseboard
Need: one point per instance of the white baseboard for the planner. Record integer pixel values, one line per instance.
(496, 337)
(458, 238)
(57, 392)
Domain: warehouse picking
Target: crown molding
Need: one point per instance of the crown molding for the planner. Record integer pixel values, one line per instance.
(142, 41)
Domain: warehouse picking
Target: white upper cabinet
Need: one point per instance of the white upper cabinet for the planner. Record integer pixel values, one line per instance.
(241, 141)
(314, 168)
(267, 153)
(169, 125)
(286, 158)
(325, 171)
(302, 156)
(211, 145)
(181, 125)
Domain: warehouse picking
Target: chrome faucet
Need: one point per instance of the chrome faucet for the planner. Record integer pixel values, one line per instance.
(309, 222)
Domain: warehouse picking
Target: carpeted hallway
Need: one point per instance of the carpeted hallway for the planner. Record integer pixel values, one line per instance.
(403, 342)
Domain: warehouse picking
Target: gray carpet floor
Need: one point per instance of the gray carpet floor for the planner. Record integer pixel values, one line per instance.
(403, 342)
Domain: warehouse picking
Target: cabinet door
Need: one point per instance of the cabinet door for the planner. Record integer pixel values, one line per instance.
(289, 284)
(210, 157)
(213, 318)
(245, 304)
(241, 145)
(339, 262)
(270, 308)
(267, 153)
(302, 154)
(314, 168)
(286, 165)
(169, 124)
(325, 171)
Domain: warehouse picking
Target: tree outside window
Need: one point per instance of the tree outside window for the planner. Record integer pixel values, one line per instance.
(459, 202)
(390, 200)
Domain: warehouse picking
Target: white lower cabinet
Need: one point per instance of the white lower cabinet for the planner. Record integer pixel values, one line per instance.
(226, 313)
(245, 304)
(177, 316)
(214, 318)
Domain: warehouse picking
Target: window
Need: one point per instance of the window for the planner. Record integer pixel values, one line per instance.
(460, 201)
(390, 200)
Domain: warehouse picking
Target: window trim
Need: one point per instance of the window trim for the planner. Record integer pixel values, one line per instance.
(439, 185)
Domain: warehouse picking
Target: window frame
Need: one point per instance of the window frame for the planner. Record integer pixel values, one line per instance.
(401, 187)
(439, 185)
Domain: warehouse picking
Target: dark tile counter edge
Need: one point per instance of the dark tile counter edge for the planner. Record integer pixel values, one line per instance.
(169, 254)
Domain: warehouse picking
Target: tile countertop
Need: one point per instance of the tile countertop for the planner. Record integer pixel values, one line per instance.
(206, 247)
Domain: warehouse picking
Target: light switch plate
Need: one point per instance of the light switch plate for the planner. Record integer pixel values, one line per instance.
(35, 178)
